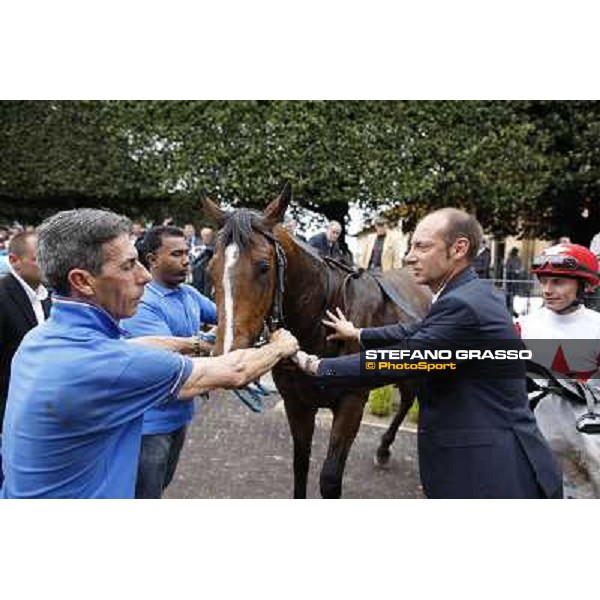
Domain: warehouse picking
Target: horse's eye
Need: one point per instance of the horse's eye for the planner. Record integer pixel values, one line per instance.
(263, 267)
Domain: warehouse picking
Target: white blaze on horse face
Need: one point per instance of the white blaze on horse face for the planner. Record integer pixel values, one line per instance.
(231, 256)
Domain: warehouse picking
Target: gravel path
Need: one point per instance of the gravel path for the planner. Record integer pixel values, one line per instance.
(231, 452)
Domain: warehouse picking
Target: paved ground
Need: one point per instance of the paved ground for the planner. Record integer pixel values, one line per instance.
(231, 452)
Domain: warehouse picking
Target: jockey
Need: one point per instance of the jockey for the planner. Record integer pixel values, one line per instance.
(571, 346)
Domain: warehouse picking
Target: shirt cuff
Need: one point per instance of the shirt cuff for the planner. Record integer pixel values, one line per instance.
(184, 372)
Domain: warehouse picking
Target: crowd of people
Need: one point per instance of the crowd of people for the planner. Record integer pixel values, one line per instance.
(93, 410)
(200, 251)
(99, 384)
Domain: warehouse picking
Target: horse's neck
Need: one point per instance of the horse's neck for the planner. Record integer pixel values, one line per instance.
(311, 286)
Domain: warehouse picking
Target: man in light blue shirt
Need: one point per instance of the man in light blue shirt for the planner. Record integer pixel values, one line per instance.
(78, 390)
(169, 307)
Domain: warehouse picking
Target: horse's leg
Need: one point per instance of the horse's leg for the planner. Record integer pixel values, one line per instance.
(346, 421)
(407, 397)
(301, 419)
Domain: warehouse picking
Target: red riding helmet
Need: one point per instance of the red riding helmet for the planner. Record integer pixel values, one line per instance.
(568, 260)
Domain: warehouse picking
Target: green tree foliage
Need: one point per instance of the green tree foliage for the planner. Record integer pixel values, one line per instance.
(523, 167)
(63, 154)
(481, 156)
(242, 152)
(570, 202)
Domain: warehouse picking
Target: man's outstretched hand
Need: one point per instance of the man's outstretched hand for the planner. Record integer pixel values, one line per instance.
(344, 329)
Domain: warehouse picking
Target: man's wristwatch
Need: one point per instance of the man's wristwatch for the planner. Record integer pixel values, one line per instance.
(196, 345)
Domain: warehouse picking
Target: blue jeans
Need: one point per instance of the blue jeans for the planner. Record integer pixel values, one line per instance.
(158, 460)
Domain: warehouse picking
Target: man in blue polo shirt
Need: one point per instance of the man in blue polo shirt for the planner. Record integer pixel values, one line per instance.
(78, 390)
(169, 307)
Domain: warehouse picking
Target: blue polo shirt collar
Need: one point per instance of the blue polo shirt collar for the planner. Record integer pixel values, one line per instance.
(74, 312)
(163, 290)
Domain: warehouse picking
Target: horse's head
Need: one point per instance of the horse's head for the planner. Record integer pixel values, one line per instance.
(247, 269)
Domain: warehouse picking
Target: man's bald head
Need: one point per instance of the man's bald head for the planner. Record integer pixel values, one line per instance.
(452, 223)
(443, 245)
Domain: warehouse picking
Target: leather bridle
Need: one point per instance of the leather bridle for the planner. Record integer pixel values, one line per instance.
(275, 318)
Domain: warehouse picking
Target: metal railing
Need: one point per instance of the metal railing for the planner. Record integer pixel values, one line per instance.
(526, 295)
(522, 295)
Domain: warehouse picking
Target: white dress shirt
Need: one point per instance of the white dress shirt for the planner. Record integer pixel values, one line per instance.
(35, 296)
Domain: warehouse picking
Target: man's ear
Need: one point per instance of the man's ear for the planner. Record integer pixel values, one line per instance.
(151, 259)
(462, 247)
(81, 281)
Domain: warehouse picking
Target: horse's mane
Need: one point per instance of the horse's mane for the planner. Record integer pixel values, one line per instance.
(239, 226)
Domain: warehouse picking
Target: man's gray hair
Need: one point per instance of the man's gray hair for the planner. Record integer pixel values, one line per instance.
(73, 239)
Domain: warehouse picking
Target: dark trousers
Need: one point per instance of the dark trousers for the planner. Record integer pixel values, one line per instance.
(159, 455)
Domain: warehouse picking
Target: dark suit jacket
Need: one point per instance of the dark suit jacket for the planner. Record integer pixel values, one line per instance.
(16, 319)
(477, 435)
(325, 248)
(200, 278)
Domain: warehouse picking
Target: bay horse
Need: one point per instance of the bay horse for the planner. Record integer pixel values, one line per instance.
(265, 278)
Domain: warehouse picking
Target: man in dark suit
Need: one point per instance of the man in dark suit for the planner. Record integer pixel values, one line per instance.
(477, 435)
(24, 303)
(327, 243)
(199, 263)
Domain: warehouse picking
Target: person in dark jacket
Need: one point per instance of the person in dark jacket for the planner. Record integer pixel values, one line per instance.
(326, 243)
(204, 252)
(24, 303)
(477, 436)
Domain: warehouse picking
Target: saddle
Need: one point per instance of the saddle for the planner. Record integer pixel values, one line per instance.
(390, 292)
(384, 285)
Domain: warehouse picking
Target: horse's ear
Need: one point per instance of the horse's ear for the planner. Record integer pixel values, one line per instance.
(275, 211)
(214, 211)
